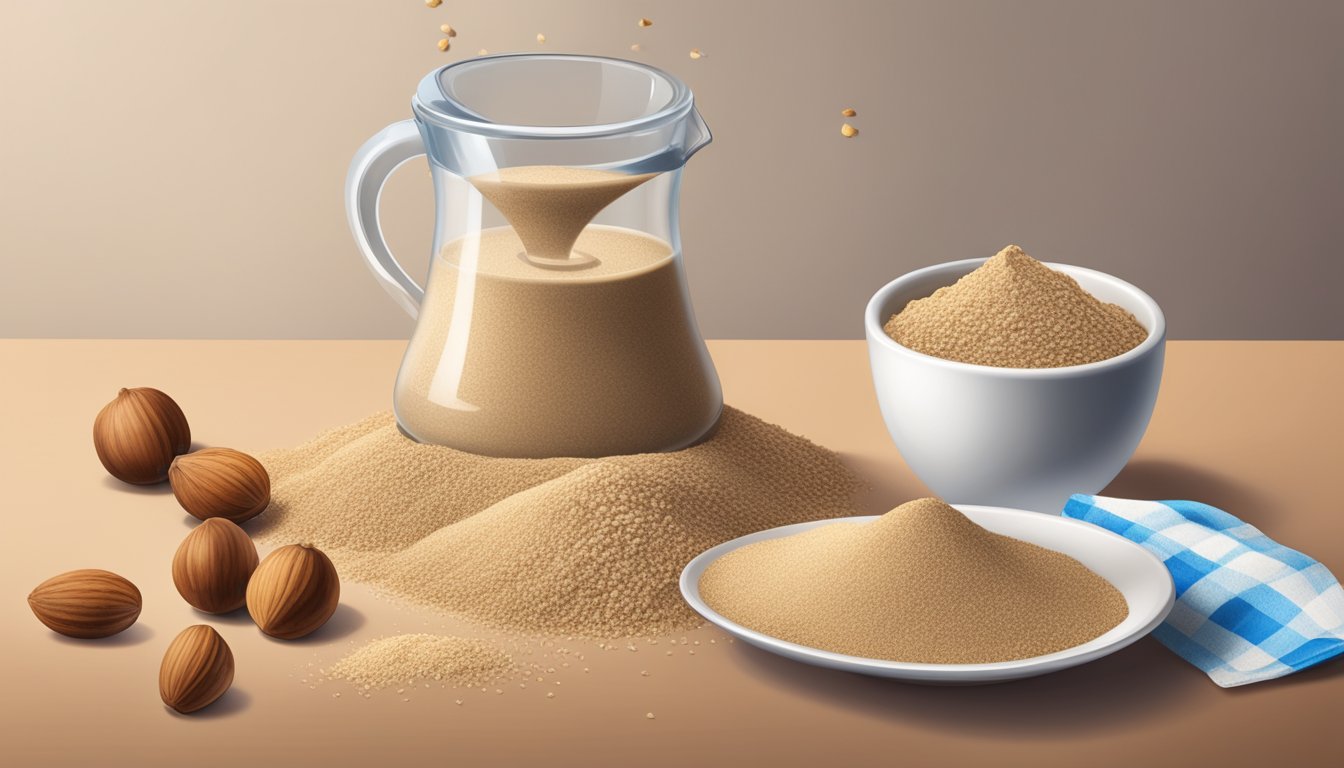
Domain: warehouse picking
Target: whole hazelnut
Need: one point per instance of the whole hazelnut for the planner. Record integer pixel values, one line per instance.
(197, 669)
(220, 482)
(138, 434)
(87, 603)
(293, 592)
(212, 566)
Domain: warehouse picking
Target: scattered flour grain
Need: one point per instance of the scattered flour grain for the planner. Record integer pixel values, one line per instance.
(407, 659)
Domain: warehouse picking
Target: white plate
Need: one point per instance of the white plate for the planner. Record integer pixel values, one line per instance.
(1140, 577)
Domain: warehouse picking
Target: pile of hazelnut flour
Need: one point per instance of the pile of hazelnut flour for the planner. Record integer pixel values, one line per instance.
(545, 547)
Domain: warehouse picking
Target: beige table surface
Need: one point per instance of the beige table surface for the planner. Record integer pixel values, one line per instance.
(1253, 427)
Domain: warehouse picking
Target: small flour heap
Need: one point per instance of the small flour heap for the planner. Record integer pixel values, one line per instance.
(411, 659)
(590, 547)
(920, 584)
(1015, 312)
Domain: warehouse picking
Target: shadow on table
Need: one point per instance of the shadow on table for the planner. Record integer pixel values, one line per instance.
(1164, 479)
(157, 489)
(237, 618)
(254, 527)
(1142, 682)
(343, 623)
(234, 701)
(133, 635)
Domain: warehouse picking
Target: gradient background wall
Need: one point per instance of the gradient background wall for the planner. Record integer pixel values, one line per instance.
(175, 169)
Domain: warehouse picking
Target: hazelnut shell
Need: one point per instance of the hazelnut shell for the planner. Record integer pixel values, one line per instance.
(197, 669)
(87, 603)
(220, 482)
(138, 434)
(212, 566)
(293, 592)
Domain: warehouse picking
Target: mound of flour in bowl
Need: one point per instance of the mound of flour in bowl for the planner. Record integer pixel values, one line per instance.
(588, 547)
(1015, 312)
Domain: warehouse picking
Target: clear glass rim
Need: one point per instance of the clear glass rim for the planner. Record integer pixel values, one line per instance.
(432, 104)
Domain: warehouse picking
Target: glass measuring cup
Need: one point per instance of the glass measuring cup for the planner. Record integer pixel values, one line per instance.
(555, 320)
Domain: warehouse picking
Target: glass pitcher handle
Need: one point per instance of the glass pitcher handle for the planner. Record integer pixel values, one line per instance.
(373, 163)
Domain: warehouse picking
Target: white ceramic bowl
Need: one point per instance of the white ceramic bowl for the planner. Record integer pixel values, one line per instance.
(1014, 437)
(1140, 577)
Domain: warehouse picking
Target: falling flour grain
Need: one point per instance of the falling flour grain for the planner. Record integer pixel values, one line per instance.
(403, 659)
(920, 584)
(564, 546)
(1015, 312)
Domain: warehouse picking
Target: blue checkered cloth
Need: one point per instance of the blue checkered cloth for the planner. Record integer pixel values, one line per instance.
(1247, 608)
